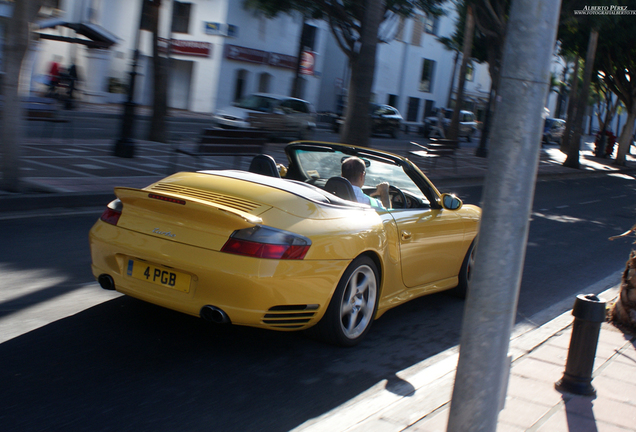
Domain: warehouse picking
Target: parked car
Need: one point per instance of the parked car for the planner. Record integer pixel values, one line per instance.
(285, 254)
(553, 130)
(278, 115)
(384, 119)
(467, 123)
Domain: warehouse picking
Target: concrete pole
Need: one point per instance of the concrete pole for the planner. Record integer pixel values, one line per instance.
(491, 304)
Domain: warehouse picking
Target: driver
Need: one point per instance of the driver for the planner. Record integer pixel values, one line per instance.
(354, 170)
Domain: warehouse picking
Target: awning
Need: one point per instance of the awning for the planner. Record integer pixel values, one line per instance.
(96, 36)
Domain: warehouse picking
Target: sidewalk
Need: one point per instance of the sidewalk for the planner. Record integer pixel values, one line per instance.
(420, 403)
(84, 172)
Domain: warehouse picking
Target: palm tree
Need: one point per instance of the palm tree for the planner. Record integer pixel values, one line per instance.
(623, 312)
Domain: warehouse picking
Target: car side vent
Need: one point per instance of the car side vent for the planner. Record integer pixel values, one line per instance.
(289, 316)
(213, 197)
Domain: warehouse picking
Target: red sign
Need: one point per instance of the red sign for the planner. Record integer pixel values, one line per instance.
(238, 53)
(307, 63)
(185, 47)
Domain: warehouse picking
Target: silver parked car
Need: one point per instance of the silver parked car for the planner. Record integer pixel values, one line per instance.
(278, 115)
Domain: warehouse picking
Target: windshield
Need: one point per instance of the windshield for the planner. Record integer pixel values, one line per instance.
(257, 103)
(324, 165)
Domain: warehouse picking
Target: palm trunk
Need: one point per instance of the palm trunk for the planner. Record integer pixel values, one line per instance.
(571, 113)
(158, 129)
(623, 312)
(357, 127)
(469, 30)
(625, 140)
(572, 160)
(15, 48)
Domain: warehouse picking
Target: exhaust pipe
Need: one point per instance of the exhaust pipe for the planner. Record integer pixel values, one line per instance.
(214, 314)
(106, 282)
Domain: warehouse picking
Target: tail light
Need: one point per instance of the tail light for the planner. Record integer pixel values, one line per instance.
(113, 212)
(266, 242)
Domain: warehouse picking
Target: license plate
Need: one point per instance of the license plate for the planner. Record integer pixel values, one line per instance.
(158, 275)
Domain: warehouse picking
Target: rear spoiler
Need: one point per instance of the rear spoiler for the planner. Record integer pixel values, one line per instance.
(146, 199)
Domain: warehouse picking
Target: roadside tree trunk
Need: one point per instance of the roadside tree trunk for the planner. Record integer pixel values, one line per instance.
(572, 161)
(625, 139)
(158, 130)
(571, 112)
(15, 48)
(357, 128)
(469, 31)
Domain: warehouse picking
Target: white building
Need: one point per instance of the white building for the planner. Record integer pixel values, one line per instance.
(219, 51)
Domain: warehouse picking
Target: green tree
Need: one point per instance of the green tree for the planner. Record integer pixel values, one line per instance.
(355, 25)
(616, 57)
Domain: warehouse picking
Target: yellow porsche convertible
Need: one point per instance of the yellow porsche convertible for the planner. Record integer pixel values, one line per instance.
(288, 252)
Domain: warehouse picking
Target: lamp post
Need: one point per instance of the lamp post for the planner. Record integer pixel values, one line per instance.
(125, 145)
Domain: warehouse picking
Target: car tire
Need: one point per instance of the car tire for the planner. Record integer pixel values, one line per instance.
(395, 133)
(465, 273)
(353, 306)
(469, 137)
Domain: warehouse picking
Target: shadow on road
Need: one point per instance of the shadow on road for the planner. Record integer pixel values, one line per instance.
(128, 365)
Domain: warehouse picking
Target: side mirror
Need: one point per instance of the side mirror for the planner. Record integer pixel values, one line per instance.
(451, 202)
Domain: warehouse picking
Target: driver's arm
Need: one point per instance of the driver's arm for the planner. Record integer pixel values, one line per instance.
(382, 190)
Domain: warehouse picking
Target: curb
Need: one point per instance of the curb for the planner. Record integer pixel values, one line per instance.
(426, 387)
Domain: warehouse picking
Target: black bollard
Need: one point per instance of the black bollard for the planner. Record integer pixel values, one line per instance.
(589, 313)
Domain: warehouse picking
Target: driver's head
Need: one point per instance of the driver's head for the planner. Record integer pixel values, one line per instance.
(354, 170)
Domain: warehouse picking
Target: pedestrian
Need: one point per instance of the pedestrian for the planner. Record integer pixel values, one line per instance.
(54, 77)
(73, 77)
(438, 130)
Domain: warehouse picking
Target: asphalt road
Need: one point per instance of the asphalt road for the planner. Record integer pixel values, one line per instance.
(78, 360)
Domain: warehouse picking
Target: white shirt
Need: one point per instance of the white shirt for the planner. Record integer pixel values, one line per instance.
(363, 198)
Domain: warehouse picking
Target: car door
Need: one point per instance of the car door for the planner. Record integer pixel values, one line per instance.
(271, 119)
(432, 243)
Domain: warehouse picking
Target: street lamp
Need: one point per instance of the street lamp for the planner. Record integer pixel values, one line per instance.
(125, 145)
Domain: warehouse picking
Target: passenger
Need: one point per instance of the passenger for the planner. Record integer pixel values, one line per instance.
(354, 170)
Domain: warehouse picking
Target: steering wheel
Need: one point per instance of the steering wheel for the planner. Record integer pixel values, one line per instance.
(398, 192)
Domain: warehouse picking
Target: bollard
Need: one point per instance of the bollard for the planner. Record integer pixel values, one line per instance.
(589, 313)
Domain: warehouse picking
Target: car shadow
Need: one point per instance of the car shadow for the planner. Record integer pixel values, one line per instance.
(128, 365)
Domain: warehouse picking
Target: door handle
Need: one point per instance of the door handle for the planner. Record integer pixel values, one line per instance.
(406, 235)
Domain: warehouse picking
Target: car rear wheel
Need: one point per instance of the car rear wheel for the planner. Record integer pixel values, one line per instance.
(353, 305)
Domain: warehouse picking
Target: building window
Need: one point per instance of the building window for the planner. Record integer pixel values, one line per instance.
(181, 17)
(392, 100)
(308, 37)
(431, 24)
(264, 81)
(428, 109)
(470, 72)
(240, 84)
(418, 28)
(414, 107)
(146, 16)
(426, 80)
(399, 34)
